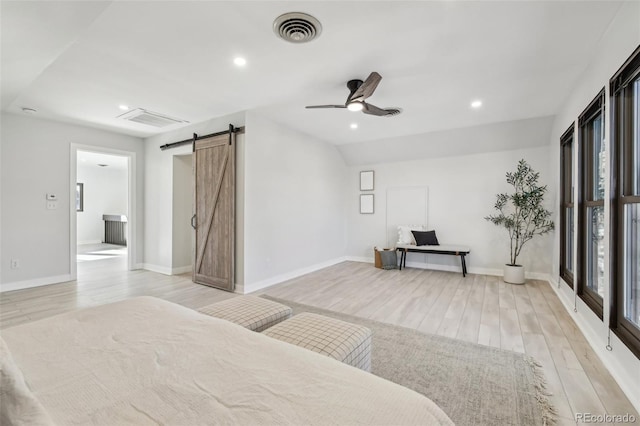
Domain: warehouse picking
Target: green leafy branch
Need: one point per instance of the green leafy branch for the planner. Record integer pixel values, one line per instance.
(522, 213)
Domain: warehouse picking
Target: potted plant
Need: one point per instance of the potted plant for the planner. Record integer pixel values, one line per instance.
(522, 214)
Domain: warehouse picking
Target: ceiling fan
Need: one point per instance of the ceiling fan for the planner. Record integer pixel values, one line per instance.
(358, 92)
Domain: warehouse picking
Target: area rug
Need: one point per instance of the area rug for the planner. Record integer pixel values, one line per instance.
(473, 384)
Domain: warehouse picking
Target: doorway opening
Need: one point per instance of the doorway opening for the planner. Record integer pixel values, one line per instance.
(183, 234)
(101, 228)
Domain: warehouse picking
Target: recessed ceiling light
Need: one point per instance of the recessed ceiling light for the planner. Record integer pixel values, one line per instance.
(355, 106)
(123, 107)
(354, 125)
(241, 62)
(476, 104)
(29, 110)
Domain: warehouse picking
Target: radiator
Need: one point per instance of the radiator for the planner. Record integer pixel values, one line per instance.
(115, 229)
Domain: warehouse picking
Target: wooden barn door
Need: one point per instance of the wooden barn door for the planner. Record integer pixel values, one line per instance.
(214, 220)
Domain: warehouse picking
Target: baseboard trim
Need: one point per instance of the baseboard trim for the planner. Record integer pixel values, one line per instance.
(624, 380)
(89, 242)
(157, 268)
(451, 268)
(250, 288)
(38, 282)
(358, 259)
(165, 270)
(181, 270)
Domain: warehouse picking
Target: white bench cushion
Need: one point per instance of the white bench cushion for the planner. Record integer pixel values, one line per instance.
(443, 248)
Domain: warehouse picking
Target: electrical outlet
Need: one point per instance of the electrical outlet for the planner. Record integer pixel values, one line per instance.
(52, 205)
(15, 264)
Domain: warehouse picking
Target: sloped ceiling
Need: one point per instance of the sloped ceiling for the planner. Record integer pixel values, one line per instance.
(78, 61)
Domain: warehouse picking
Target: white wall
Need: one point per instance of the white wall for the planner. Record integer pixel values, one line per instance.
(495, 137)
(620, 40)
(295, 218)
(36, 161)
(182, 233)
(105, 192)
(158, 192)
(461, 192)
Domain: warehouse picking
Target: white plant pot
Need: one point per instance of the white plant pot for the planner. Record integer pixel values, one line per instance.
(514, 274)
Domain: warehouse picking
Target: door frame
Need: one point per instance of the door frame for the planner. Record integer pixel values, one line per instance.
(131, 204)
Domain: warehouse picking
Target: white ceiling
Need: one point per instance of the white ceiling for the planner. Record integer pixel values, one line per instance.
(78, 61)
(88, 159)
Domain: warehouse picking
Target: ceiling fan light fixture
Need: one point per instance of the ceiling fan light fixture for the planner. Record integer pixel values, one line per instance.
(355, 106)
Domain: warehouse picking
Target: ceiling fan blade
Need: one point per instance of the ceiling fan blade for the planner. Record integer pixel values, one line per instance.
(325, 106)
(374, 110)
(367, 88)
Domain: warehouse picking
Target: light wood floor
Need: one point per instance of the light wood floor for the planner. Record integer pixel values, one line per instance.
(480, 309)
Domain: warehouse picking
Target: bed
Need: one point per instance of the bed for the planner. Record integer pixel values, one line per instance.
(148, 361)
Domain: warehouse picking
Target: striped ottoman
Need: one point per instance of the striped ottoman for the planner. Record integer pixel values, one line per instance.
(346, 342)
(251, 312)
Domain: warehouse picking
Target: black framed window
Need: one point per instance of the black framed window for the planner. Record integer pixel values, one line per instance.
(567, 186)
(591, 249)
(625, 235)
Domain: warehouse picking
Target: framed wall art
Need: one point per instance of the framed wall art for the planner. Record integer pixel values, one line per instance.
(366, 180)
(366, 203)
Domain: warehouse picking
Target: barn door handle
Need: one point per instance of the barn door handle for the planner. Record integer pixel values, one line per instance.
(193, 221)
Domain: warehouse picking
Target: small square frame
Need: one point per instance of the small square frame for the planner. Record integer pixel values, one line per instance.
(366, 204)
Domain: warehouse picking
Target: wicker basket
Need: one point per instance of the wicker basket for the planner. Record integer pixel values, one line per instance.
(376, 256)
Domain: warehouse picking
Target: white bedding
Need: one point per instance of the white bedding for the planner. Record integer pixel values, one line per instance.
(148, 361)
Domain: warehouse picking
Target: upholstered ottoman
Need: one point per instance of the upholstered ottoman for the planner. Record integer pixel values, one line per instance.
(346, 342)
(254, 313)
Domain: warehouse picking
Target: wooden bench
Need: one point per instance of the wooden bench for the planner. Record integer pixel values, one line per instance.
(451, 250)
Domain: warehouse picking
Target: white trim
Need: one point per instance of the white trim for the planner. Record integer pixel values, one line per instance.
(626, 382)
(132, 218)
(37, 282)
(450, 268)
(89, 242)
(359, 259)
(157, 268)
(165, 270)
(181, 270)
(250, 288)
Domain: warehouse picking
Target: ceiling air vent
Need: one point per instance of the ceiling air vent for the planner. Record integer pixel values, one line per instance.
(149, 118)
(296, 27)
